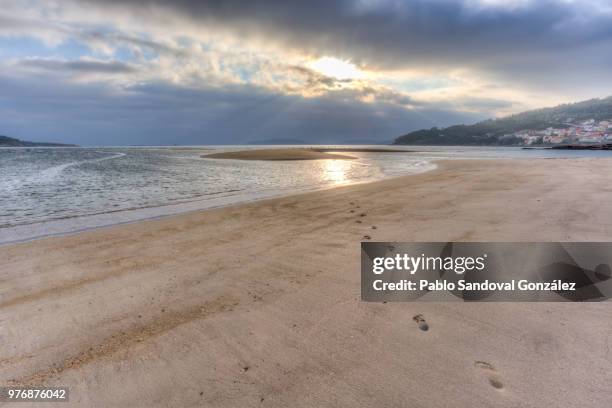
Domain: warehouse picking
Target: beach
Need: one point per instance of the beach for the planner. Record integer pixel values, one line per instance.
(296, 153)
(278, 154)
(258, 304)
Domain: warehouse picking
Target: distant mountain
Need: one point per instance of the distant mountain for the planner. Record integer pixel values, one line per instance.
(491, 132)
(278, 141)
(364, 142)
(6, 141)
(289, 141)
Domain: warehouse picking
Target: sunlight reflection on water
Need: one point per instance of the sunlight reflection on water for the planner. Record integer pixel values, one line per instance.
(335, 171)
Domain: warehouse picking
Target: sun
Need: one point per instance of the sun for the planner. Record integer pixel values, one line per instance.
(336, 68)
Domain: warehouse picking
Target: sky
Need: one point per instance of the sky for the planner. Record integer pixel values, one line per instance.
(152, 72)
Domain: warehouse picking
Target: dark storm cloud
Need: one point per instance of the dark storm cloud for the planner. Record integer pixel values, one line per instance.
(160, 113)
(406, 33)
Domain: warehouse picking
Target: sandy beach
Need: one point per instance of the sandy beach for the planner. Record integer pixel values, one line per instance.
(278, 154)
(258, 305)
(306, 153)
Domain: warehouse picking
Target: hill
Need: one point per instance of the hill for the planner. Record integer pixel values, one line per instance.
(502, 131)
(6, 141)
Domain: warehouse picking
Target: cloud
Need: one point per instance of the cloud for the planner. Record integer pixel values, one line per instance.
(76, 67)
(232, 71)
(162, 113)
(412, 33)
(514, 43)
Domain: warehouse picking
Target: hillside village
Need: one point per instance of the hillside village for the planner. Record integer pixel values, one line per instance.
(584, 132)
(582, 123)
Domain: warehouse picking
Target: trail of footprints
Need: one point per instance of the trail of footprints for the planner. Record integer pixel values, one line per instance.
(488, 369)
(361, 215)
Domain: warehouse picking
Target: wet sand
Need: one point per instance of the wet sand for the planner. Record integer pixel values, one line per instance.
(300, 153)
(278, 154)
(258, 304)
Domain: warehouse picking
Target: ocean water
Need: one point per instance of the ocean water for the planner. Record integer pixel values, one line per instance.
(47, 191)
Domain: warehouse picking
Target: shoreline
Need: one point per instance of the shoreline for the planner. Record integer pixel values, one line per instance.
(135, 215)
(299, 153)
(196, 206)
(286, 154)
(230, 306)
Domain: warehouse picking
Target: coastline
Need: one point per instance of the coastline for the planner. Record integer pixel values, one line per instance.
(301, 153)
(259, 302)
(78, 224)
(287, 154)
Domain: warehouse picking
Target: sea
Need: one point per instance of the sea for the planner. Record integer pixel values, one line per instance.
(52, 191)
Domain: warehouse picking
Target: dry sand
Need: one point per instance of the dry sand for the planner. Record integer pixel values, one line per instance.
(278, 154)
(258, 305)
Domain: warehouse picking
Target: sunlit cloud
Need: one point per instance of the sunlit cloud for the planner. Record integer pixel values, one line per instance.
(336, 68)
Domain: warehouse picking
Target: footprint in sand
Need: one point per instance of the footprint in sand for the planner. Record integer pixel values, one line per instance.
(492, 374)
(420, 321)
